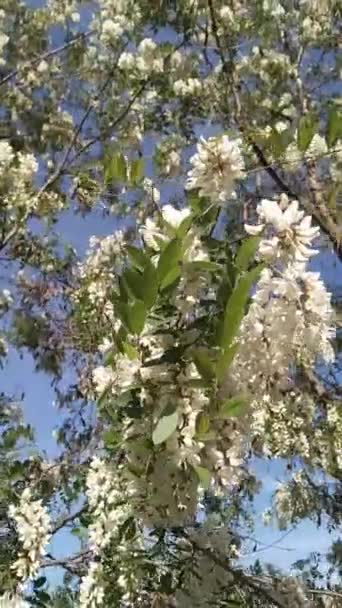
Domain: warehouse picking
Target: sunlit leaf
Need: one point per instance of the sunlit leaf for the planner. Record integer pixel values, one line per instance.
(204, 364)
(169, 258)
(136, 170)
(225, 360)
(246, 252)
(115, 168)
(202, 424)
(235, 308)
(334, 126)
(166, 425)
(204, 477)
(138, 257)
(234, 407)
(308, 126)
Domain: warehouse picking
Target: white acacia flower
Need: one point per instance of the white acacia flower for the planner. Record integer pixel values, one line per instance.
(91, 589)
(288, 230)
(126, 61)
(33, 526)
(6, 153)
(174, 216)
(102, 377)
(215, 167)
(111, 30)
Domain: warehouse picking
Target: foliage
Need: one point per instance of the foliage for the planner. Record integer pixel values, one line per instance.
(196, 335)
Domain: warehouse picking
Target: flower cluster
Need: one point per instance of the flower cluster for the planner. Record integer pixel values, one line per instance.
(111, 507)
(286, 229)
(33, 525)
(106, 501)
(146, 60)
(215, 167)
(91, 587)
(288, 323)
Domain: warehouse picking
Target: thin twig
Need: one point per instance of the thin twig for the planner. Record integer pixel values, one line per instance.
(46, 55)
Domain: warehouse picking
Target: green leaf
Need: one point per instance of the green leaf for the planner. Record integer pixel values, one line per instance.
(115, 168)
(169, 258)
(334, 126)
(204, 476)
(204, 365)
(129, 350)
(150, 285)
(202, 265)
(202, 424)
(138, 257)
(235, 307)
(184, 226)
(43, 596)
(246, 253)
(225, 360)
(79, 532)
(136, 170)
(39, 582)
(308, 125)
(166, 425)
(278, 142)
(234, 407)
(134, 283)
(132, 315)
(170, 278)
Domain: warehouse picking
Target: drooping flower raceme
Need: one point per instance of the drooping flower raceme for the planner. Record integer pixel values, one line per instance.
(111, 506)
(289, 323)
(216, 166)
(285, 230)
(33, 526)
(91, 588)
(105, 496)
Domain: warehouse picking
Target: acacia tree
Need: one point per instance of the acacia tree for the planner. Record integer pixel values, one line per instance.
(197, 335)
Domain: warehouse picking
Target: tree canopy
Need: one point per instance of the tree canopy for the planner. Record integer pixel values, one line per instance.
(196, 337)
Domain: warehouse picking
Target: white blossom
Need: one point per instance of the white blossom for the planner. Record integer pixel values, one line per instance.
(91, 588)
(216, 165)
(6, 153)
(288, 231)
(173, 216)
(33, 525)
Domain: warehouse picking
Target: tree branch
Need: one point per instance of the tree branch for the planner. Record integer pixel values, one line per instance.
(46, 55)
(64, 520)
(317, 208)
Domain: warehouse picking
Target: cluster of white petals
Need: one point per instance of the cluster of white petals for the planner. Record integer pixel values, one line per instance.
(285, 230)
(117, 379)
(33, 527)
(146, 60)
(111, 507)
(91, 587)
(216, 166)
(106, 501)
(17, 170)
(289, 323)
